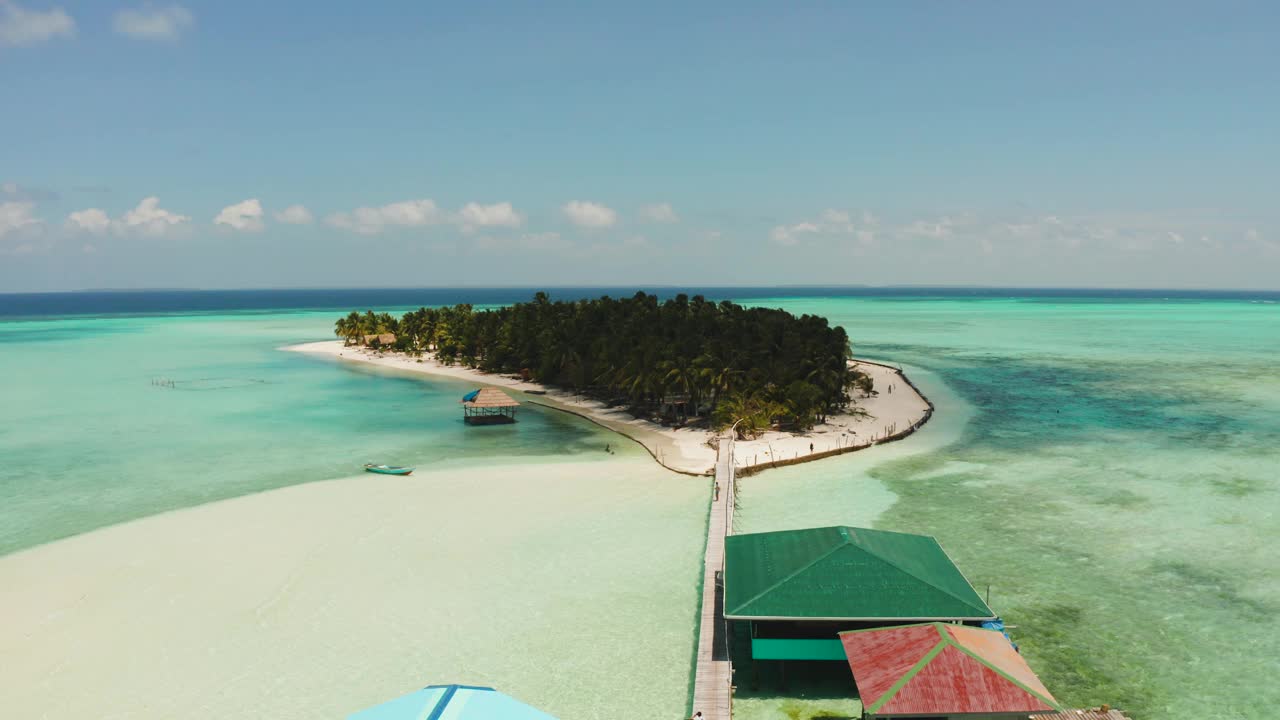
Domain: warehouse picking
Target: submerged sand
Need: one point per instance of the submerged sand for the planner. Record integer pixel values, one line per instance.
(571, 585)
(895, 408)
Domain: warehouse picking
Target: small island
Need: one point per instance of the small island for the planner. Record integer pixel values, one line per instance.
(685, 361)
(672, 375)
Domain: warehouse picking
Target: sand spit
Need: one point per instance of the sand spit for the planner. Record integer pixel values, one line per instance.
(889, 414)
(316, 600)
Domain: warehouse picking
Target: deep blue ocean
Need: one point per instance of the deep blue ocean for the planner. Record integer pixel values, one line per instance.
(118, 302)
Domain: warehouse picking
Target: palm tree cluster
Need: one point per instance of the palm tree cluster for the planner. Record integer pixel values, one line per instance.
(354, 328)
(682, 359)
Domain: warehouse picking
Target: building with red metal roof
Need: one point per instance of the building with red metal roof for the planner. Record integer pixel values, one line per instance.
(941, 671)
(1098, 713)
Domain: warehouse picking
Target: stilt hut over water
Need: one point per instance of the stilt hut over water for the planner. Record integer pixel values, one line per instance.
(488, 406)
(943, 671)
(789, 594)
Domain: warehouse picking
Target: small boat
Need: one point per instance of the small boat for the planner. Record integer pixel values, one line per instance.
(387, 469)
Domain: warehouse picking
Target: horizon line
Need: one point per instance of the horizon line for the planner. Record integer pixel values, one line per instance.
(640, 287)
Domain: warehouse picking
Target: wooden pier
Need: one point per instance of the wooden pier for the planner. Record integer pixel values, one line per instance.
(713, 673)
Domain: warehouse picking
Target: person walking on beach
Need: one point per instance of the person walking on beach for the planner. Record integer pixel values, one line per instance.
(697, 716)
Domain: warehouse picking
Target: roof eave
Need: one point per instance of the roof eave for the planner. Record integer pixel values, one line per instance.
(858, 619)
(1022, 714)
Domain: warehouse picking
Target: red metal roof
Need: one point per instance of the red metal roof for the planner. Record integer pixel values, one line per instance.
(1089, 714)
(937, 669)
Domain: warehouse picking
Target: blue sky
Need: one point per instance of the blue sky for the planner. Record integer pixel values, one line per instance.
(1082, 144)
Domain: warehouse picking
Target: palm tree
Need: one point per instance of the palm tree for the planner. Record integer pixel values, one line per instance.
(349, 328)
(768, 362)
(681, 373)
(717, 376)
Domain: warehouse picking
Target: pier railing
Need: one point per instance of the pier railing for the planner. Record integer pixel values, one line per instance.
(713, 670)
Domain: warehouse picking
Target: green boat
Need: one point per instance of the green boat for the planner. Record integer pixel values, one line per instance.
(387, 469)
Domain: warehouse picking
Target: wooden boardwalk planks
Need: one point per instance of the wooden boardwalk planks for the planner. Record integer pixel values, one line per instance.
(713, 673)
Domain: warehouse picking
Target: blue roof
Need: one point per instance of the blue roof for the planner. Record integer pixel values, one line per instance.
(452, 702)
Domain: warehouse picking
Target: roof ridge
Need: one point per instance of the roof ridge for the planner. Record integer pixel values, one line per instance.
(802, 568)
(1031, 691)
(443, 702)
(911, 672)
(923, 580)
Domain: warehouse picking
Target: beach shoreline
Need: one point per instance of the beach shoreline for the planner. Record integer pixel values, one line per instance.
(318, 599)
(897, 410)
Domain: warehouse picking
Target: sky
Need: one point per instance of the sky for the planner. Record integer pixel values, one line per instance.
(233, 144)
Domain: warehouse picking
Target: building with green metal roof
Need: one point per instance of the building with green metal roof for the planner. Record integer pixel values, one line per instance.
(845, 573)
(791, 592)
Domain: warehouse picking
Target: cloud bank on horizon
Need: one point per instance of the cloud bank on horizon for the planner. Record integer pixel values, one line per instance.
(154, 147)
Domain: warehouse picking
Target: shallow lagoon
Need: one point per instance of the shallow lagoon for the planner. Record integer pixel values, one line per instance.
(1116, 486)
(521, 556)
(88, 440)
(1108, 467)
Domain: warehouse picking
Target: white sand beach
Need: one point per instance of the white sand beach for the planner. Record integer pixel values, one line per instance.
(685, 450)
(571, 585)
(319, 599)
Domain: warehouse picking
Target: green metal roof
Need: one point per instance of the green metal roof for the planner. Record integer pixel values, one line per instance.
(844, 573)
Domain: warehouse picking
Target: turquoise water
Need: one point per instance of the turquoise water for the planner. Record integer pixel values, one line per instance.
(1107, 466)
(1113, 479)
(88, 441)
(491, 565)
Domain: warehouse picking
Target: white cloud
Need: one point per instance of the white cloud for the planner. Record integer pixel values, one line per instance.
(294, 215)
(15, 216)
(474, 215)
(1267, 246)
(589, 214)
(245, 216)
(154, 23)
(148, 219)
(830, 222)
(931, 229)
(660, 213)
(836, 221)
(790, 234)
(90, 220)
(374, 220)
(19, 26)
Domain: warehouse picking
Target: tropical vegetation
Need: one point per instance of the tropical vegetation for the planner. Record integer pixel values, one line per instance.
(683, 360)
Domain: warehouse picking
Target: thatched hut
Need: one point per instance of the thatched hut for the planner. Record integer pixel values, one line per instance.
(487, 406)
(384, 339)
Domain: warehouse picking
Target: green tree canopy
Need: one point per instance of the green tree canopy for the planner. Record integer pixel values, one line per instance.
(685, 356)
